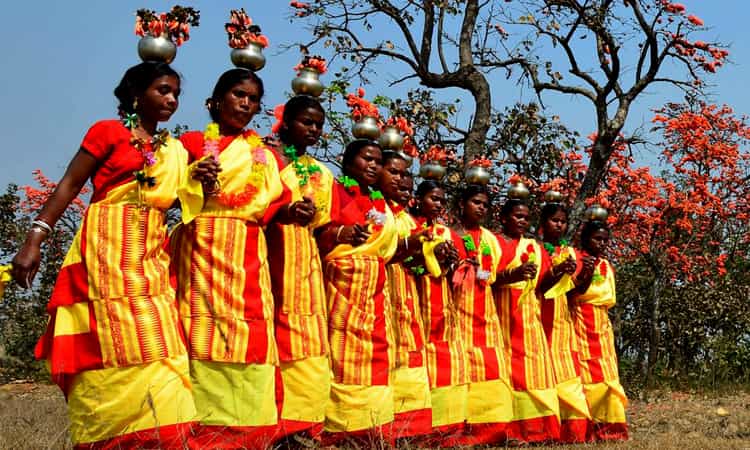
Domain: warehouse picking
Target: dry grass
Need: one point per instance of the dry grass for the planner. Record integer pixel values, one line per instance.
(32, 416)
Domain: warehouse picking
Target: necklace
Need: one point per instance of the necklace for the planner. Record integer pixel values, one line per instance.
(373, 205)
(147, 149)
(304, 171)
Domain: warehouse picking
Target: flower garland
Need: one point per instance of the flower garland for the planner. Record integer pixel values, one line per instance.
(600, 273)
(374, 204)
(485, 262)
(147, 149)
(211, 139)
(551, 248)
(304, 172)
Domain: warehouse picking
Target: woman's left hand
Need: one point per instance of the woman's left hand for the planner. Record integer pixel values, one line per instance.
(568, 266)
(301, 212)
(207, 172)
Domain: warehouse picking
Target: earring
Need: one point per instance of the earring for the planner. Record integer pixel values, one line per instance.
(135, 104)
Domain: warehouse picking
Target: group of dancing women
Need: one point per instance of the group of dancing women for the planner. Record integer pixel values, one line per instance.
(290, 307)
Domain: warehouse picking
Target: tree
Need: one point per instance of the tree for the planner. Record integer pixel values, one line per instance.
(461, 43)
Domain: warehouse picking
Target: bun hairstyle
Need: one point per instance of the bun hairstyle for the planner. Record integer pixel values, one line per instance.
(137, 79)
(225, 83)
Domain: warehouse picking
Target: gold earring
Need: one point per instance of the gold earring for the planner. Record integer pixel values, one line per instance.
(135, 104)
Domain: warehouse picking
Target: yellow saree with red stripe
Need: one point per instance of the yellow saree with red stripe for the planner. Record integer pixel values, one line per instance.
(411, 384)
(224, 297)
(359, 326)
(300, 306)
(113, 342)
(558, 327)
(536, 407)
(598, 358)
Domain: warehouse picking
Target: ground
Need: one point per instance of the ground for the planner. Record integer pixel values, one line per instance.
(32, 416)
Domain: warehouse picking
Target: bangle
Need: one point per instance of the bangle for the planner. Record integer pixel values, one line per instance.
(338, 233)
(552, 270)
(406, 243)
(40, 224)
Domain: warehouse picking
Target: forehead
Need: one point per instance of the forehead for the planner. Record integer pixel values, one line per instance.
(396, 163)
(246, 85)
(171, 80)
(310, 112)
(601, 233)
(369, 151)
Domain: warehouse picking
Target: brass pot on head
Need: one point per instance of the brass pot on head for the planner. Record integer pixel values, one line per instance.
(366, 128)
(160, 49)
(391, 139)
(307, 82)
(553, 196)
(518, 191)
(477, 175)
(250, 57)
(432, 170)
(597, 212)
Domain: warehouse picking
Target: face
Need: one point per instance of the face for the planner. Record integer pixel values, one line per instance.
(432, 204)
(555, 226)
(239, 105)
(405, 189)
(305, 128)
(475, 209)
(160, 100)
(516, 224)
(390, 179)
(597, 242)
(366, 166)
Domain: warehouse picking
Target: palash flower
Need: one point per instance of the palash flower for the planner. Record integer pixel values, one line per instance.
(317, 63)
(481, 162)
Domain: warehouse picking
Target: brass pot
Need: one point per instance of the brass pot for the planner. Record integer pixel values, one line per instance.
(477, 175)
(597, 212)
(367, 128)
(250, 57)
(158, 49)
(553, 197)
(432, 170)
(307, 83)
(518, 191)
(391, 139)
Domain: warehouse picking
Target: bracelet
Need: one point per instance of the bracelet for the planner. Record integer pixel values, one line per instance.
(552, 270)
(38, 223)
(338, 233)
(406, 243)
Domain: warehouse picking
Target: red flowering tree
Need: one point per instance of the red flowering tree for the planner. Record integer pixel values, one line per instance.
(687, 226)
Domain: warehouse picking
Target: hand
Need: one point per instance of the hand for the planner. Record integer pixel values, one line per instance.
(353, 235)
(525, 271)
(207, 172)
(26, 261)
(301, 212)
(587, 269)
(568, 266)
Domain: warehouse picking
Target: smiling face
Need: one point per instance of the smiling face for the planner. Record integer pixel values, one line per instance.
(238, 106)
(405, 190)
(554, 227)
(432, 204)
(475, 209)
(391, 177)
(516, 223)
(366, 166)
(304, 129)
(160, 99)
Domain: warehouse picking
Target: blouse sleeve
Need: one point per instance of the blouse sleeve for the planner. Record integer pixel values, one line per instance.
(99, 139)
(193, 143)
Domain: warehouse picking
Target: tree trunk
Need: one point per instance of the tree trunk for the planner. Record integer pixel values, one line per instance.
(477, 84)
(654, 332)
(594, 175)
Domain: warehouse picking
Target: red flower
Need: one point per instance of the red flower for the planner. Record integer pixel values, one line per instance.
(603, 268)
(695, 20)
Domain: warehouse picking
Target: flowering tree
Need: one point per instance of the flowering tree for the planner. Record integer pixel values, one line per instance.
(461, 44)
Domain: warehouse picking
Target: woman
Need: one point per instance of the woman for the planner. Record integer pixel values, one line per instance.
(113, 342)
(535, 404)
(356, 245)
(558, 323)
(224, 285)
(490, 402)
(446, 354)
(411, 385)
(590, 301)
(296, 274)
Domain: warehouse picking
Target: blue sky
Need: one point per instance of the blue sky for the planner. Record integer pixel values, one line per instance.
(63, 59)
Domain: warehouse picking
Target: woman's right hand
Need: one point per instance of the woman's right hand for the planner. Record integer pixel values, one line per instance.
(206, 171)
(353, 235)
(26, 261)
(525, 271)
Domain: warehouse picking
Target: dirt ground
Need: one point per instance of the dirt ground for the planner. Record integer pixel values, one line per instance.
(33, 416)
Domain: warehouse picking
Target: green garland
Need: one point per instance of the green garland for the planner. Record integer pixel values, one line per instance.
(303, 171)
(551, 248)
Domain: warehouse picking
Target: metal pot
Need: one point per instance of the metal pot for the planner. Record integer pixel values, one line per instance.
(307, 83)
(518, 191)
(432, 170)
(367, 128)
(159, 49)
(477, 175)
(553, 197)
(597, 212)
(250, 57)
(391, 139)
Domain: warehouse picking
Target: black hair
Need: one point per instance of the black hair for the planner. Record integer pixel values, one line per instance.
(299, 103)
(549, 210)
(508, 206)
(352, 150)
(426, 187)
(227, 81)
(471, 190)
(589, 228)
(137, 79)
(390, 154)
